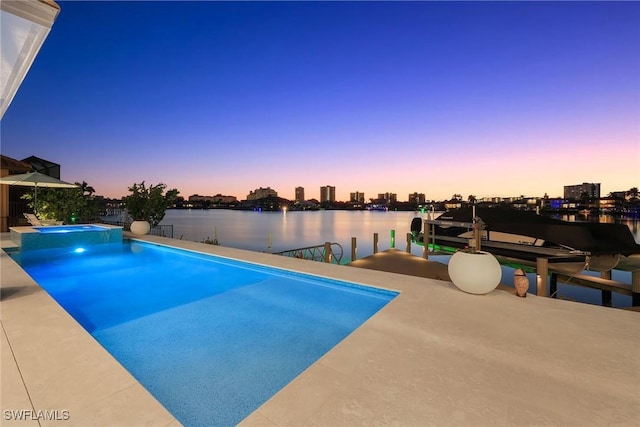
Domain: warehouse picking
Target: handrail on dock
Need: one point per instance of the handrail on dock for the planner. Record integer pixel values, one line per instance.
(324, 252)
(594, 282)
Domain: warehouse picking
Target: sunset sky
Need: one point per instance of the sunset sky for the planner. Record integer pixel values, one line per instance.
(483, 98)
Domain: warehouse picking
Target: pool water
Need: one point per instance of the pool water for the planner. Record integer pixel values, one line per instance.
(68, 228)
(64, 236)
(211, 338)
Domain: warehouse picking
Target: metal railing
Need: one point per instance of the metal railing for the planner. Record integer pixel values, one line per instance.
(327, 252)
(159, 230)
(16, 213)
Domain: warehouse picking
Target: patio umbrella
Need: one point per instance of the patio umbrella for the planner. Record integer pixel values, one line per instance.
(35, 179)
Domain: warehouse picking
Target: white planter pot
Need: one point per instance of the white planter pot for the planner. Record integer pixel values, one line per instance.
(475, 273)
(140, 227)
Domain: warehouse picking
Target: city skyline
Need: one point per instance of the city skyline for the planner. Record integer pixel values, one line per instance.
(485, 98)
(569, 192)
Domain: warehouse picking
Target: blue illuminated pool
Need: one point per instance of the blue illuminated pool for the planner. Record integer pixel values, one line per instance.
(64, 236)
(69, 228)
(211, 338)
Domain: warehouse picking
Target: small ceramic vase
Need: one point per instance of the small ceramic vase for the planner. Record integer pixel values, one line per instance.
(521, 283)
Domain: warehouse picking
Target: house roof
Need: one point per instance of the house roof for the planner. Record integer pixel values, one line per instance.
(43, 166)
(13, 166)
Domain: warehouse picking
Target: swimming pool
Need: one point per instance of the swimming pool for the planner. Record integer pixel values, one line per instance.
(58, 236)
(69, 228)
(211, 338)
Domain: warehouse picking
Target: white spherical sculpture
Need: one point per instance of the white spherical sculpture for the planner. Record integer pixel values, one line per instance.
(475, 273)
(140, 228)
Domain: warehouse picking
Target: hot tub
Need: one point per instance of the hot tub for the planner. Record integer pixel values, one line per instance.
(58, 236)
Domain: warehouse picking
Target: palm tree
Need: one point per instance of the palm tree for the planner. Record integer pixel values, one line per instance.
(633, 193)
(87, 190)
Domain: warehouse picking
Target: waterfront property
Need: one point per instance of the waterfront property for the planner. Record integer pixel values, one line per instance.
(432, 356)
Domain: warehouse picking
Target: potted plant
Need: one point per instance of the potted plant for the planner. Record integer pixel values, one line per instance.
(147, 205)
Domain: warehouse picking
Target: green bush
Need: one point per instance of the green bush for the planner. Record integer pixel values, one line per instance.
(71, 205)
(148, 203)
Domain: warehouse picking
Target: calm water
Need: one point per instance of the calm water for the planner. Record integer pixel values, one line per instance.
(258, 230)
(290, 230)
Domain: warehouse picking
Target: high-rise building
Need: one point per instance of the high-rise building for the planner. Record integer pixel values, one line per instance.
(577, 191)
(356, 197)
(299, 194)
(418, 198)
(327, 194)
(389, 197)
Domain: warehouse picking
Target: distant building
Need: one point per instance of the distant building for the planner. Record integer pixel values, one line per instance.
(222, 199)
(388, 197)
(527, 203)
(261, 193)
(299, 195)
(418, 198)
(327, 194)
(218, 199)
(577, 191)
(453, 204)
(356, 197)
(608, 204)
(555, 203)
(199, 198)
(621, 195)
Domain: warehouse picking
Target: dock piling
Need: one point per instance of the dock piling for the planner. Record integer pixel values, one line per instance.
(553, 292)
(393, 239)
(354, 249)
(542, 274)
(408, 243)
(635, 288)
(327, 252)
(375, 243)
(606, 294)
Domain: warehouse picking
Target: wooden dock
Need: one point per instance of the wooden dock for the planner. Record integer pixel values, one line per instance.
(397, 261)
(547, 272)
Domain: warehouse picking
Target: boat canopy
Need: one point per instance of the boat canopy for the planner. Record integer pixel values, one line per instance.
(595, 238)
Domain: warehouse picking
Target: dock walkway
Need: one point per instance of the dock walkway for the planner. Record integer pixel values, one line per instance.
(400, 262)
(397, 261)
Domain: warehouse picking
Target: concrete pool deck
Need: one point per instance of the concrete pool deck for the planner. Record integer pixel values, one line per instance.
(433, 356)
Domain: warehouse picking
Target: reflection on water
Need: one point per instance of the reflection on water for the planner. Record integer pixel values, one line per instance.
(257, 231)
(290, 230)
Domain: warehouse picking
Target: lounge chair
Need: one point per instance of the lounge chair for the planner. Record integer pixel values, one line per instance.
(33, 220)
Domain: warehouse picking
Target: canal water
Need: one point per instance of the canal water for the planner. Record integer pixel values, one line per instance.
(279, 231)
